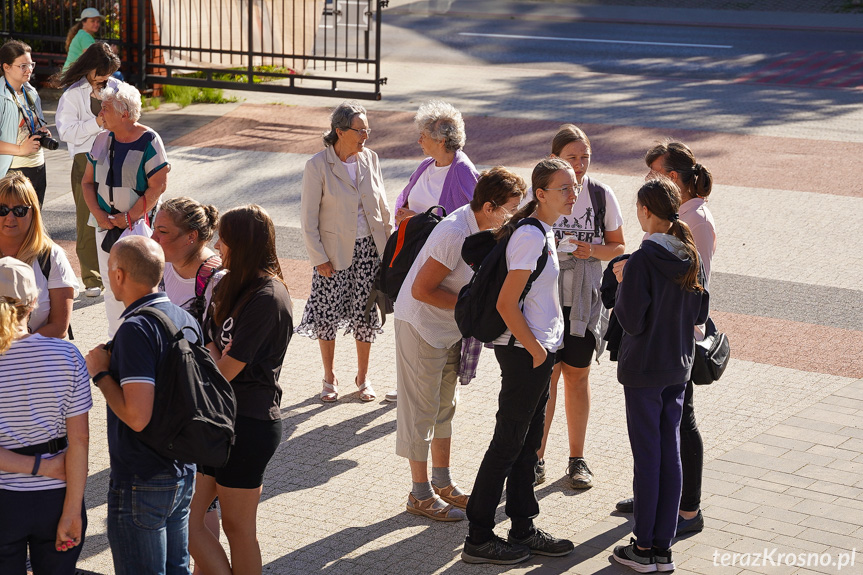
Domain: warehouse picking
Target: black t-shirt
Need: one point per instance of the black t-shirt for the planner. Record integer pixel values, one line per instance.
(260, 332)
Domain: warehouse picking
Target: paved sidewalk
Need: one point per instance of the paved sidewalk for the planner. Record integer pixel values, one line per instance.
(783, 429)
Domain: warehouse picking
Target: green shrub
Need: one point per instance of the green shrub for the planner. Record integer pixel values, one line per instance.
(185, 95)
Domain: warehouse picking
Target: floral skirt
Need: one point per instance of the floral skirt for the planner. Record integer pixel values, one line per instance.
(340, 301)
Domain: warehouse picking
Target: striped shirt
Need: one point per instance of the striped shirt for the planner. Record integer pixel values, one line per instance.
(43, 382)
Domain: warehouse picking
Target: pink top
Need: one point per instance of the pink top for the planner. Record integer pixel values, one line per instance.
(700, 222)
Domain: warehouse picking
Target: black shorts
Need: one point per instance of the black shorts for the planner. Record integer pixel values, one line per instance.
(575, 351)
(255, 442)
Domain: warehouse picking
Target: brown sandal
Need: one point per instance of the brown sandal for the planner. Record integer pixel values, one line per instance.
(426, 508)
(446, 494)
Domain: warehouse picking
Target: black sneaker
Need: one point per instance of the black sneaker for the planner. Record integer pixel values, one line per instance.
(625, 505)
(542, 543)
(539, 472)
(694, 525)
(495, 550)
(626, 555)
(580, 476)
(663, 559)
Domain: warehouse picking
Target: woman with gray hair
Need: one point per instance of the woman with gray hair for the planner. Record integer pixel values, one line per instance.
(130, 166)
(346, 221)
(446, 177)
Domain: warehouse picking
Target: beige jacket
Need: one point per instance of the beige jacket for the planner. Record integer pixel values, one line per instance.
(329, 202)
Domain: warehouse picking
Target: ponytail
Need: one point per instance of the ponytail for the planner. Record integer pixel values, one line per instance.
(662, 198)
(540, 178)
(677, 157)
(72, 32)
(10, 315)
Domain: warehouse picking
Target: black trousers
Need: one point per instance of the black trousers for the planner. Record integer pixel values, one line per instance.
(691, 454)
(511, 455)
(39, 178)
(29, 519)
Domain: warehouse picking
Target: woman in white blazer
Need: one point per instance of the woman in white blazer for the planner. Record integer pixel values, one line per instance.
(346, 222)
(78, 123)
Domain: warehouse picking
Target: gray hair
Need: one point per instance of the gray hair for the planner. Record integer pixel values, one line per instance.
(442, 122)
(342, 118)
(124, 98)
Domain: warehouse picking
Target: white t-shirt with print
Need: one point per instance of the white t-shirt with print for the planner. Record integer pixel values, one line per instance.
(62, 276)
(428, 188)
(435, 325)
(541, 306)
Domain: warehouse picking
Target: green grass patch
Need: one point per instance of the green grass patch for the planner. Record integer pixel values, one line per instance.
(185, 95)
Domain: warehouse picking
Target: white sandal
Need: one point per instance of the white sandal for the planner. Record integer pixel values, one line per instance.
(330, 392)
(367, 392)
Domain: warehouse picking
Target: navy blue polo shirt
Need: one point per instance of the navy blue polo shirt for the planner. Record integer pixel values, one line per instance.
(140, 344)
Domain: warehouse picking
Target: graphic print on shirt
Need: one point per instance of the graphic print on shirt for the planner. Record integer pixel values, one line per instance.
(226, 335)
(582, 228)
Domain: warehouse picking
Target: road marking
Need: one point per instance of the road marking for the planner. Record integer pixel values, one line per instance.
(595, 41)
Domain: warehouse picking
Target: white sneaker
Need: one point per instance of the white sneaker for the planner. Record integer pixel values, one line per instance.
(93, 292)
(391, 396)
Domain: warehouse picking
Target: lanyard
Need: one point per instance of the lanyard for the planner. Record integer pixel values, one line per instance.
(28, 113)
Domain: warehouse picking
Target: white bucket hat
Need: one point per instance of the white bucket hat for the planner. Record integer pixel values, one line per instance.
(89, 13)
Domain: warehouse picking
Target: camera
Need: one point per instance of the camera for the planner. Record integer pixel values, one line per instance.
(46, 141)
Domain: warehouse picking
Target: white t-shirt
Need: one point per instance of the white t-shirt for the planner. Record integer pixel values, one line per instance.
(581, 225)
(62, 276)
(435, 325)
(541, 306)
(181, 291)
(43, 382)
(428, 188)
(363, 228)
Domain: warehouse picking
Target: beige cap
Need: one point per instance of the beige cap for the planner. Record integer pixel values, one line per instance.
(17, 281)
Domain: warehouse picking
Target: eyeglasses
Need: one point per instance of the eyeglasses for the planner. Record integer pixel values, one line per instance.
(367, 132)
(25, 67)
(17, 211)
(566, 190)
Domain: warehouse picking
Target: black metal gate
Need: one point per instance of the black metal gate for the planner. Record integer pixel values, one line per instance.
(309, 47)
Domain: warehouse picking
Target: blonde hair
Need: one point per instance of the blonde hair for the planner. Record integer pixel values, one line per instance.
(16, 189)
(11, 314)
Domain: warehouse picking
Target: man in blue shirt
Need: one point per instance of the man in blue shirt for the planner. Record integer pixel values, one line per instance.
(149, 495)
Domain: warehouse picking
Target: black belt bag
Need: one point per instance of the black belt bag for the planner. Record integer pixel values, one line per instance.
(54, 446)
(711, 356)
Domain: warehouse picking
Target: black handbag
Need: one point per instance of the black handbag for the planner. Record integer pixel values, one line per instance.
(711, 356)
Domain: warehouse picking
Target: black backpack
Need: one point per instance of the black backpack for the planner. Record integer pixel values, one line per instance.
(403, 247)
(597, 198)
(194, 408)
(476, 309)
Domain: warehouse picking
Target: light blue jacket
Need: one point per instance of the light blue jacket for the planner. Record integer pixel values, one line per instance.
(10, 118)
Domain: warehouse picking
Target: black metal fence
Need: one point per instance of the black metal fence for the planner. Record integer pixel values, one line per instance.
(311, 47)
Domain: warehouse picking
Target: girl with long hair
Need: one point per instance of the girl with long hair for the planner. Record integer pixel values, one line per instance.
(660, 297)
(525, 352)
(79, 121)
(250, 324)
(593, 234)
(23, 236)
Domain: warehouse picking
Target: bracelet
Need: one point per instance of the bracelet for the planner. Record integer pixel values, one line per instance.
(36, 464)
(99, 376)
(128, 220)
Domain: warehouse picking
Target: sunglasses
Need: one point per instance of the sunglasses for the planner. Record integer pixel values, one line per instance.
(17, 211)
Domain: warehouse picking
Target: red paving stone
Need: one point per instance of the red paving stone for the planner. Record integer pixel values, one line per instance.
(737, 160)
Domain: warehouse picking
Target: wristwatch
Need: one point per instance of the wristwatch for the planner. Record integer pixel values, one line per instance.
(99, 376)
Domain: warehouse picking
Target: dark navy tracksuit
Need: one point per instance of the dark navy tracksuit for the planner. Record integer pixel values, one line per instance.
(654, 364)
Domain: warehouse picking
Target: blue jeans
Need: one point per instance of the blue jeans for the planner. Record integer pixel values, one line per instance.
(148, 525)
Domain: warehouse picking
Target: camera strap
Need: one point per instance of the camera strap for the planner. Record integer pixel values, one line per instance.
(111, 173)
(29, 114)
